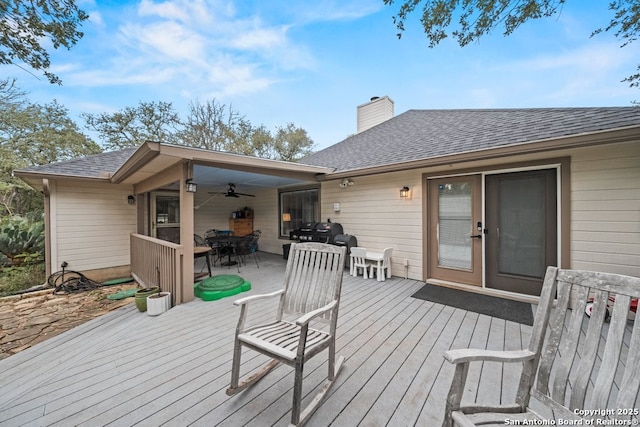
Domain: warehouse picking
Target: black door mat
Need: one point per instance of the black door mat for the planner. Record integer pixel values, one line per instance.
(515, 311)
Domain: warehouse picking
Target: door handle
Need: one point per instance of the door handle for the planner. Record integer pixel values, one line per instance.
(476, 236)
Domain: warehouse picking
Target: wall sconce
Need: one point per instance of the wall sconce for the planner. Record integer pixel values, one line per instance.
(192, 187)
(131, 199)
(286, 217)
(345, 183)
(404, 191)
(336, 207)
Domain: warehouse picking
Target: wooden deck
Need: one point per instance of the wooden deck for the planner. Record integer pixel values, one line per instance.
(127, 368)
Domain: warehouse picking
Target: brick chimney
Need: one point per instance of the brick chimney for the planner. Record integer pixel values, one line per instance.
(374, 112)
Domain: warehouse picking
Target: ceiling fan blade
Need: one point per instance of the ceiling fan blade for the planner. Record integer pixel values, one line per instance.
(244, 194)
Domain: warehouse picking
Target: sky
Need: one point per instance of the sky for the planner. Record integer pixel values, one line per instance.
(312, 63)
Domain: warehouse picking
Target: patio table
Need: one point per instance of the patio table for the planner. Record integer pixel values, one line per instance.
(225, 245)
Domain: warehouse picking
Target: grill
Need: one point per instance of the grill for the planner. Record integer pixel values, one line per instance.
(323, 232)
(349, 242)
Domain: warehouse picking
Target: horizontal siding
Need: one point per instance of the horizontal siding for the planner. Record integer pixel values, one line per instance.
(92, 225)
(371, 210)
(605, 209)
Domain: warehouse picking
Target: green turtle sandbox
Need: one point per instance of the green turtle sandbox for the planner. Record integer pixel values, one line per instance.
(221, 286)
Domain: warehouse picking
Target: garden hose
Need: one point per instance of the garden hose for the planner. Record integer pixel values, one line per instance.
(68, 282)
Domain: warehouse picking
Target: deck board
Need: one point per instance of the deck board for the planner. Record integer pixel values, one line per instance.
(127, 368)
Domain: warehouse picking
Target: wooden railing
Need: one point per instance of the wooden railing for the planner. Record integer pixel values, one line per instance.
(156, 262)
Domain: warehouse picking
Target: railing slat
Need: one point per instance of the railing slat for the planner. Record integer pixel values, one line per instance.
(156, 262)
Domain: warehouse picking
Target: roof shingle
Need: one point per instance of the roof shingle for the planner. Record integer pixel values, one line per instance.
(423, 134)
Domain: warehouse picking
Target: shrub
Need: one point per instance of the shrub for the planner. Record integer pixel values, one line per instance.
(22, 240)
(15, 279)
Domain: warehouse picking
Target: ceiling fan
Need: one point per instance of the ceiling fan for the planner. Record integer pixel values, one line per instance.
(231, 192)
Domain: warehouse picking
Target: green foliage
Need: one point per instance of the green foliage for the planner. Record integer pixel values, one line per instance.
(22, 240)
(479, 17)
(29, 27)
(209, 125)
(30, 135)
(292, 143)
(130, 127)
(14, 279)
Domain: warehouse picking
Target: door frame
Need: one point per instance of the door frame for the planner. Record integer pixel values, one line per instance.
(563, 195)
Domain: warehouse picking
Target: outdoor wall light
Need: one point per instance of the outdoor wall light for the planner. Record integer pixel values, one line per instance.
(286, 217)
(404, 191)
(336, 207)
(192, 187)
(131, 199)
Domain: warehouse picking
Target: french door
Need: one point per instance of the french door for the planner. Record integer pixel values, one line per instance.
(508, 245)
(521, 222)
(455, 244)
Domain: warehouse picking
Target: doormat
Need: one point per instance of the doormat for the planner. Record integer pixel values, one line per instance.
(515, 311)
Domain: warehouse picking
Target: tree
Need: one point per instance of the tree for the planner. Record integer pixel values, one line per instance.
(26, 27)
(292, 143)
(480, 17)
(30, 135)
(214, 126)
(130, 127)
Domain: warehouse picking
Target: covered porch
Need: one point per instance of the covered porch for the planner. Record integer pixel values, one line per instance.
(127, 368)
(196, 182)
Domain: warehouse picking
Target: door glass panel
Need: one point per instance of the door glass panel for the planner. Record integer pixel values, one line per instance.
(454, 219)
(167, 210)
(167, 217)
(521, 225)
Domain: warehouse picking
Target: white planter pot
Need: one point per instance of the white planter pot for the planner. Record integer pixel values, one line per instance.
(158, 303)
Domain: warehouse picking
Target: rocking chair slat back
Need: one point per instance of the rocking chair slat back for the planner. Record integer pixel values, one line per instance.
(312, 278)
(584, 357)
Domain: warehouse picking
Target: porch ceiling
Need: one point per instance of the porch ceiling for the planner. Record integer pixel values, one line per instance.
(215, 170)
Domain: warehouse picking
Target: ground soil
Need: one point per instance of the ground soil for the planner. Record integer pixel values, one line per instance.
(28, 319)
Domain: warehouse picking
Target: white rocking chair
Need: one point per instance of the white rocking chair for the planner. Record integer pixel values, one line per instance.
(312, 283)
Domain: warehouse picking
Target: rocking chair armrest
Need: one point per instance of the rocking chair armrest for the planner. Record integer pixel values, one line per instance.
(305, 319)
(466, 355)
(248, 299)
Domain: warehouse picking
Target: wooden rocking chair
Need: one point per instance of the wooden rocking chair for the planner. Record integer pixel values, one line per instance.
(577, 368)
(312, 283)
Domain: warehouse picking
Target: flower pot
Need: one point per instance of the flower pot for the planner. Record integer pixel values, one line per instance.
(141, 297)
(158, 303)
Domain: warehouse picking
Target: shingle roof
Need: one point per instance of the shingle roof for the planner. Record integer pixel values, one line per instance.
(423, 134)
(86, 167)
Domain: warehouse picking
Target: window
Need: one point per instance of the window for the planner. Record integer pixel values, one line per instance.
(298, 207)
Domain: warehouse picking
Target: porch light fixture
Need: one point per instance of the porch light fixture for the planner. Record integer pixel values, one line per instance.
(131, 199)
(404, 191)
(286, 217)
(192, 187)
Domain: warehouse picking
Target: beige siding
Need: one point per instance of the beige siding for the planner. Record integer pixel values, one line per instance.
(605, 212)
(371, 210)
(91, 225)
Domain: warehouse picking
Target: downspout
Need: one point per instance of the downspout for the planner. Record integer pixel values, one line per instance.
(47, 226)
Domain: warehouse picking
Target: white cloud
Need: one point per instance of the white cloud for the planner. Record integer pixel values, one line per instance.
(197, 46)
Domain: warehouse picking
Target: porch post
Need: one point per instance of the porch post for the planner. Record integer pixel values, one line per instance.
(186, 234)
